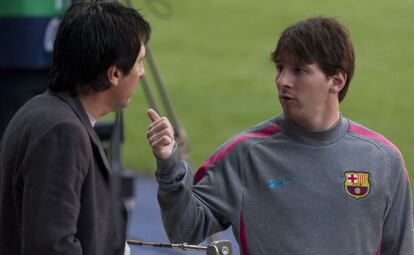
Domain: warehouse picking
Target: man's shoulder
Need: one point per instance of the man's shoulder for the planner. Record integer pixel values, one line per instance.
(385, 146)
(256, 134)
(42, 112)
(48, 102)
(370, 136)
(43, 117)
(265, 128)
(46, 107)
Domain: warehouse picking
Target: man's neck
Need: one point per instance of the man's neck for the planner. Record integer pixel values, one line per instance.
(317, 123)
(318, 119)
(94, 105)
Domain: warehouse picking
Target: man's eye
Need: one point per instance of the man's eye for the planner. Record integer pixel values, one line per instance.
(279, 68)
(299, 70)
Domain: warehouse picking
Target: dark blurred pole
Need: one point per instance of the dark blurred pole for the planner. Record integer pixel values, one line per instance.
(180, 134)
(162, 9)
(27, 32)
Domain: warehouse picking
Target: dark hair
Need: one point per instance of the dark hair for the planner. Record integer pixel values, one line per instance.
(92, 37)
(321, 40)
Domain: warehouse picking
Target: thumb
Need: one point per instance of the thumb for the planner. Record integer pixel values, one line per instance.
(153, 115)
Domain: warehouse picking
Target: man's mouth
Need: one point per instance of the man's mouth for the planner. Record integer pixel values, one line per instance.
(286, 97)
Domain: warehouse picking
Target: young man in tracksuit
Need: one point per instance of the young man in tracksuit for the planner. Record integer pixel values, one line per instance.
(309, 181)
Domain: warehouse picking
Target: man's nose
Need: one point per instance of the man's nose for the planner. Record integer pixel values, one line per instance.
(284, 78)
(141, 72)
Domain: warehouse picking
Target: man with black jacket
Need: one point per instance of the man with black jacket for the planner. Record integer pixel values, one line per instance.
(56, 189)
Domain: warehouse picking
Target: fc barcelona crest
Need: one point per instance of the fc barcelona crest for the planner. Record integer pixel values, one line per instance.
(357, 184)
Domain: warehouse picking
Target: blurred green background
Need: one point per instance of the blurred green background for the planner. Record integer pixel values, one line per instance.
(213, 56)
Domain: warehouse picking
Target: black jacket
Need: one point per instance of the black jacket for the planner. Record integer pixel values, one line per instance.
(56, 189)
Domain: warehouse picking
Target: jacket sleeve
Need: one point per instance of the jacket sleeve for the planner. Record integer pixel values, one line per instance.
(191, 212)
(53, 172)
(398, 228)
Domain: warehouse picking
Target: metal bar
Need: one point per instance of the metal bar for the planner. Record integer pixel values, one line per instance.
(185, 247)
(161, 89)
(180, 134)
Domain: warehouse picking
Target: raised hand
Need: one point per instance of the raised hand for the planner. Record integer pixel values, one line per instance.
(160, 135)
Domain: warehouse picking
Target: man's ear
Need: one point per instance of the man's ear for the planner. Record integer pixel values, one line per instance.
(113, 74)
(338, 82)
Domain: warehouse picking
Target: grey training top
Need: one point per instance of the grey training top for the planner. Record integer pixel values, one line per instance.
(285, 191)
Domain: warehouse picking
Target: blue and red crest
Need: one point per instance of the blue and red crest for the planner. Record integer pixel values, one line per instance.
(357, 184)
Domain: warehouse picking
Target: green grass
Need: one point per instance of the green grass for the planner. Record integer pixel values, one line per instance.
(214, 58)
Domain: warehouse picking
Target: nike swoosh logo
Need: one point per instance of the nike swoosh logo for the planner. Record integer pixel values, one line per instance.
(274, 185)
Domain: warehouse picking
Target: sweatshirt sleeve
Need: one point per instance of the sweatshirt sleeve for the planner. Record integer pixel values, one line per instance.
(398, 229)
(194, 209)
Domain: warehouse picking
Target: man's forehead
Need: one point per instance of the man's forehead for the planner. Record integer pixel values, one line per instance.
(293, 58)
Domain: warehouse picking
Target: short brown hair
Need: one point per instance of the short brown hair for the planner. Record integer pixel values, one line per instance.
(321, 40)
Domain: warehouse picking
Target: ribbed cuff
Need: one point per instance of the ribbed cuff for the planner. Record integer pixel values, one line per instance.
(165, 168)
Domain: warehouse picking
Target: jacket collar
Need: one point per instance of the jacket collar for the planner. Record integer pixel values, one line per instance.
(76, 105)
